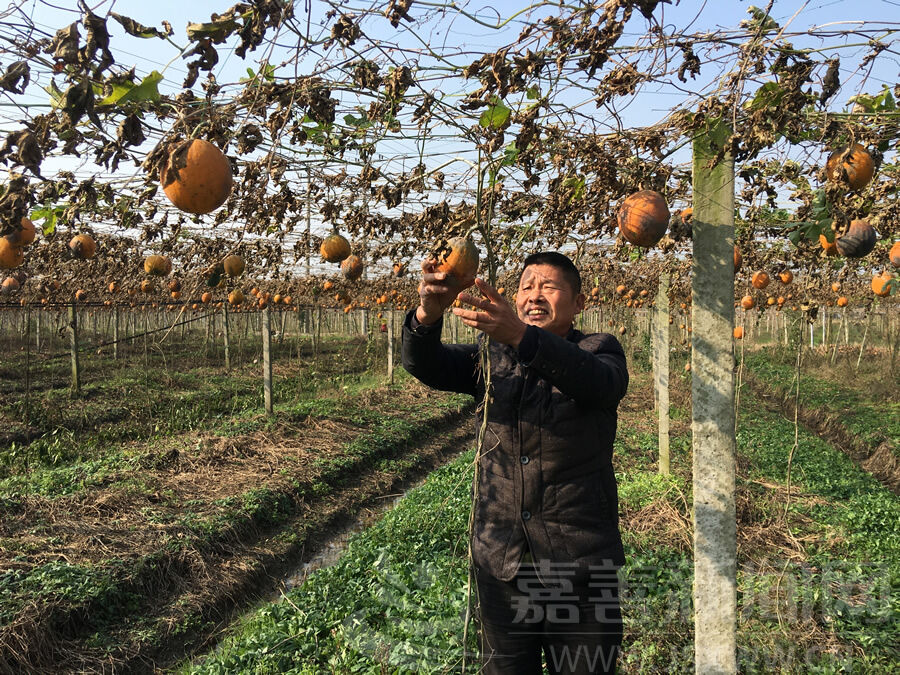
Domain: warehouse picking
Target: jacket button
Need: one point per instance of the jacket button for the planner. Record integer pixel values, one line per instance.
(524, 459)
(526, 515)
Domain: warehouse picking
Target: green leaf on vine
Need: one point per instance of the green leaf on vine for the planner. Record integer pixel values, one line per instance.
(49, 214)
(767, 96)
(126, 92)
(883, 102)
(358, 122)
(759, 21)
(510, 155)
(57, 96)
(821, 210)
(495, 116)
(267, 73)
(576, 183)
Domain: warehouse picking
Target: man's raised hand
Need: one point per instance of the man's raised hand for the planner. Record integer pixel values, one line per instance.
(437, 291)
(492, 314)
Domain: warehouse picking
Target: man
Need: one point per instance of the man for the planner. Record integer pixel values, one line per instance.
(545, 539)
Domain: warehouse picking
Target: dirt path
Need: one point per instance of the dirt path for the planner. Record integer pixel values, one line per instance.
(268, 562)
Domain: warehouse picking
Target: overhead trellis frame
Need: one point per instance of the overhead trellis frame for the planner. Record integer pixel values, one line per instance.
(333, 111)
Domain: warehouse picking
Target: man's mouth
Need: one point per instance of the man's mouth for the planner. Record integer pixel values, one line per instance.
(536, 311)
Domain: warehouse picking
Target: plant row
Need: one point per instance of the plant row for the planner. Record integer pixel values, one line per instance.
(91, 601)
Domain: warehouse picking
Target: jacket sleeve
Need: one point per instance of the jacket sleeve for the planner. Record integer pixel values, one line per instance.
(440, 366)
(592, 372)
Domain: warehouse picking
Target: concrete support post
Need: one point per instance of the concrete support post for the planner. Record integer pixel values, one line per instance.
(661, 368)
(712, 358)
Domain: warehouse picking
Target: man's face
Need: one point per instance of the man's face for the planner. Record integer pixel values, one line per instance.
(545, 299)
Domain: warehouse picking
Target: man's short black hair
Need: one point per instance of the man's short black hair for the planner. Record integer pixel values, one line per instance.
(560, 262)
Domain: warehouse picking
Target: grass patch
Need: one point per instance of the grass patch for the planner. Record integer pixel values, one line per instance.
(146, 523)
(76, 444)
(862, 510)
(870, 408)
(845, 591)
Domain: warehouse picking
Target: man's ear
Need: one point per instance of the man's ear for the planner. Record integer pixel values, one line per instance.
(579, 302)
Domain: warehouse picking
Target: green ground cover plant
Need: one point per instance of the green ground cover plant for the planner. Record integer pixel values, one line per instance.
(395, 598)
(58, 443)
(384, 437)
(824, 603)
(849, 525)
(869, 408)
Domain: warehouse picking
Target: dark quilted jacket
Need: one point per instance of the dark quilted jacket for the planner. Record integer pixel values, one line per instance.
(545, 480)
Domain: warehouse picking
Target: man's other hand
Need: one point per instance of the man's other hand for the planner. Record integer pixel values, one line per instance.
(492, 314)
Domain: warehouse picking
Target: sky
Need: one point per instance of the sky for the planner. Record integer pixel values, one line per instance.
(688, 15)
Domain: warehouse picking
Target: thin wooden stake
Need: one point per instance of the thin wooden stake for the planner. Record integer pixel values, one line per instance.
(895, 343)
(837, 338)
(146, 353)
(116, 333)
(318, 332)
(28, 358)
(206, 338)
(862, 343)
(846, 328)
(390, 346)
(225, 336)
(267, 358)
(73, 348)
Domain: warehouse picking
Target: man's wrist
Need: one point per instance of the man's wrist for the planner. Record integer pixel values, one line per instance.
(424, 318)
(516, 341)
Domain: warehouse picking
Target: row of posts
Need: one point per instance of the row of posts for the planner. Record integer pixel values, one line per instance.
(592, 320)
(316, 320)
